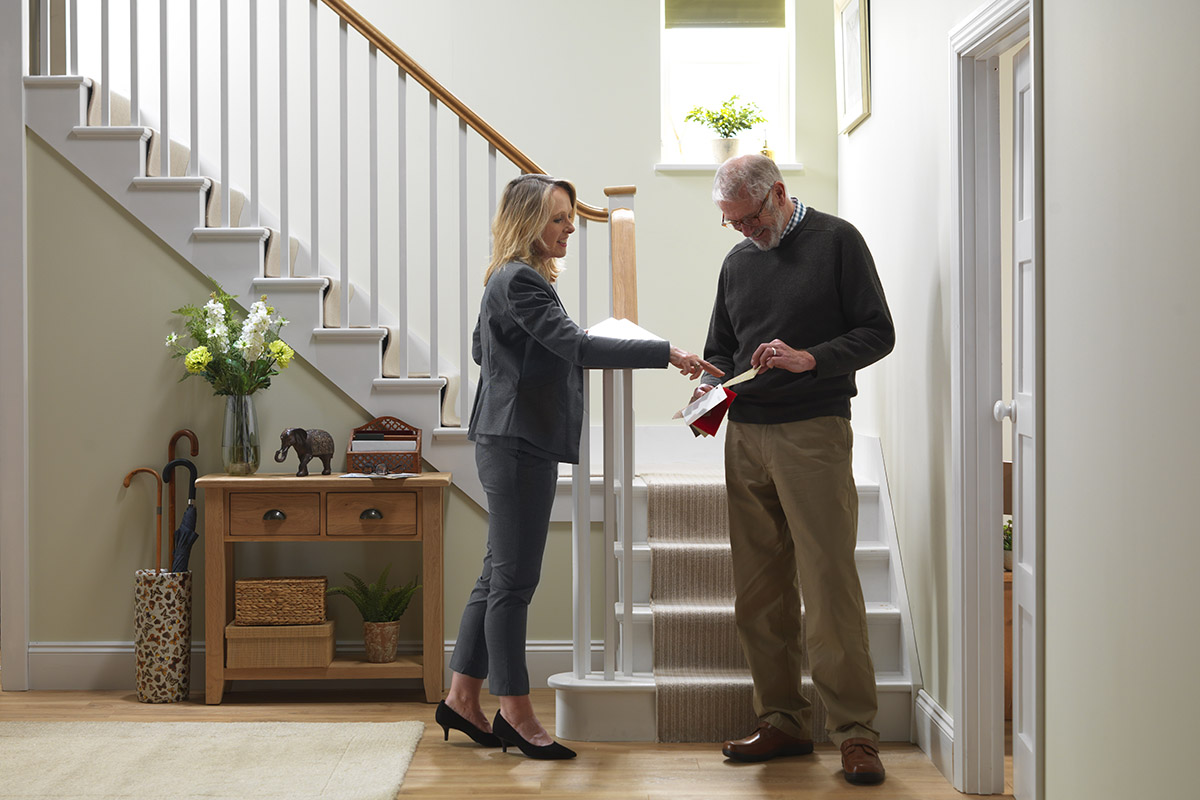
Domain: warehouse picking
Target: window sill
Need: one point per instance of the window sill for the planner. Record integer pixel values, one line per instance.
(711, 169)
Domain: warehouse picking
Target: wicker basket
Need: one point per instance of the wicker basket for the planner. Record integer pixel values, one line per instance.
(279, 645)
(279, 601)
(409, 461)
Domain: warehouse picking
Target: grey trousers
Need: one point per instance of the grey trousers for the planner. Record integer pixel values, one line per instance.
(491, 636)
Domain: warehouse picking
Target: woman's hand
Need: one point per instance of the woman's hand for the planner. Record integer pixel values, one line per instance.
(692, 365)
(775, 354)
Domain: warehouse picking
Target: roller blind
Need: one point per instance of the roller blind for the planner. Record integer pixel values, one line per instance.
(725, 13)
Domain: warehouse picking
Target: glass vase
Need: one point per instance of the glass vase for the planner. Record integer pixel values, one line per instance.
(239, 437)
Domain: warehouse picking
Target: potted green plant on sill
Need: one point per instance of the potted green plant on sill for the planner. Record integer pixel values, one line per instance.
(727, 121)
(1008, 545)
(381, 610)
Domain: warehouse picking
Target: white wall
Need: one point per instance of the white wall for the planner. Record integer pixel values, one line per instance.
(894, 184)
(1122, 118)
(1122, 273)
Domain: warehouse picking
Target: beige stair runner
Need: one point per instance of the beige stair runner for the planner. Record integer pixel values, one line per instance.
(703, 686)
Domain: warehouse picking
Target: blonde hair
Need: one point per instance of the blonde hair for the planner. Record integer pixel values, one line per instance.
(525, 208)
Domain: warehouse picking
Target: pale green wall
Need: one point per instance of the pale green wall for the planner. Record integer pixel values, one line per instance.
(574, 85)
(105, 398)
(1122, 642)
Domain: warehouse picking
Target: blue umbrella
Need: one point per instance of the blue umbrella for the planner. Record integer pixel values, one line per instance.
(185, 534)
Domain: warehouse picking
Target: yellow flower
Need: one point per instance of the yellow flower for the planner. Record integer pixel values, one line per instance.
(281, 352)
(198, 359)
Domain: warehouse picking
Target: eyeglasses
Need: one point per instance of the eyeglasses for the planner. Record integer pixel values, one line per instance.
(745, 222)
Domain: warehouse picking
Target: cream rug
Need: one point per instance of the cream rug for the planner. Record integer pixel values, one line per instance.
(209, 760)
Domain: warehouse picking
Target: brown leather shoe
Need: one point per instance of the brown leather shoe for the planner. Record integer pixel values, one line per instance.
(765, 743)
(860, 760)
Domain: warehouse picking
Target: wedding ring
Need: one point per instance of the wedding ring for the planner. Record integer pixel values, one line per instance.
(773, 353)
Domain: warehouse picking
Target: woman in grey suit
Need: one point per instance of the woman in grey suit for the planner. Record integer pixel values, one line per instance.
(528, 417)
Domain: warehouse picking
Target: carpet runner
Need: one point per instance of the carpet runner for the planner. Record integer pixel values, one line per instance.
(703, 686)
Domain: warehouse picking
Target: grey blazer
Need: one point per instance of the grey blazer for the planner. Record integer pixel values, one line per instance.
(531, 357)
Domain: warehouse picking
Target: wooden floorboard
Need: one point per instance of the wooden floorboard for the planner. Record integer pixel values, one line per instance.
(460, 770)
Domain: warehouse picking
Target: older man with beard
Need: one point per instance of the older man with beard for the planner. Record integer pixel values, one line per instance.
(799, 300)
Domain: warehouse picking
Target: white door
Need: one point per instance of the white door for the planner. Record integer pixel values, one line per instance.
(1027, 550)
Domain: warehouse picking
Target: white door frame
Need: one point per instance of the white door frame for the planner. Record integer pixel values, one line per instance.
(976, 452)
(14, 389)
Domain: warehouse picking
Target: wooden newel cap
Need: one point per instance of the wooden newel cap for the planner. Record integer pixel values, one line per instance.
(611, 191)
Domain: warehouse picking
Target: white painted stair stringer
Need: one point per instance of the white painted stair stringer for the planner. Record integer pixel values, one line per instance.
(173, 209)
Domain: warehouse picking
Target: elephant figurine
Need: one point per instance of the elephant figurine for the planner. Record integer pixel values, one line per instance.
(308, 444)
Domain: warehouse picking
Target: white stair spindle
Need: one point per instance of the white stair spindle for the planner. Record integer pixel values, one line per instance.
(626, 527)
(285, 236)
(73, 67)
(224, 56)
(491, 191)
(373, 125)
(402, 218)
(464, 326)
(254, 198)
(194, 58)
(105, 113)
(163, 93)
(314, 150)
(610, 527)
(581, 515)
(433, 238)
(44, 37)
(135, 114)
(344, 147)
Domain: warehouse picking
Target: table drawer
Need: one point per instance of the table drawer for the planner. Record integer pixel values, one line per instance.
(354, 514)
(257, 514)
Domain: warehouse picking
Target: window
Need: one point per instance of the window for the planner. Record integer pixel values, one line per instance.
(713, 49)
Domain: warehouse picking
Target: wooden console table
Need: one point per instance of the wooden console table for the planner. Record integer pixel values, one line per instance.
(284, 508)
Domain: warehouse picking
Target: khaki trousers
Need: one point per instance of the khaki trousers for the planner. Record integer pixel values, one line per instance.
(793, 519)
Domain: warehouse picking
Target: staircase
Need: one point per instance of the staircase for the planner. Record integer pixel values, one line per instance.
(380, 357)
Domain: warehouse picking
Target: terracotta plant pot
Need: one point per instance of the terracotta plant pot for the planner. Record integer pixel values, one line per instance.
(380, 640)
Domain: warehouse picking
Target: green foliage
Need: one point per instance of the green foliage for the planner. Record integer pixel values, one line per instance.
(1008, 534)
(727, 120)
(376, 602)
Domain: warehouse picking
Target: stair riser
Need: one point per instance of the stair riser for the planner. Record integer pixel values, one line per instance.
(883, 630)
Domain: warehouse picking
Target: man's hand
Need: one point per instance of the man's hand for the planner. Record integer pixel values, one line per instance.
(701, 390)
(775, 354)
(692, 365)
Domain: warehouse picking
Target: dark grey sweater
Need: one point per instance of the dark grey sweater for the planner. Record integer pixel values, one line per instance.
(817, 291)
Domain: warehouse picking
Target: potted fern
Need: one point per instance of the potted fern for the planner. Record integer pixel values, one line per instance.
(727, 121)
(1008, 556)
(381, 609)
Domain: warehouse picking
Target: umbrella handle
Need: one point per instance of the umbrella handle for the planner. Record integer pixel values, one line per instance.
(157, 512)
(195, 451)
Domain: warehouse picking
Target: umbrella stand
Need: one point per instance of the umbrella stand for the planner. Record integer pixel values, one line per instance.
(162, 625)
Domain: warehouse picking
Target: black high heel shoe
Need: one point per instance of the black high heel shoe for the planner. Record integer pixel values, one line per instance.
(509, 737)
(448, 718)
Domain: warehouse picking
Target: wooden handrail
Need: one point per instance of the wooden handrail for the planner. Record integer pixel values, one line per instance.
(389, 48)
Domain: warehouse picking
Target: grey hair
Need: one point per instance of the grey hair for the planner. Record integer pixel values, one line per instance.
(746, 176)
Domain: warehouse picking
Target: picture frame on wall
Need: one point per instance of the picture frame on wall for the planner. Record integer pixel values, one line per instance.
(853, 55)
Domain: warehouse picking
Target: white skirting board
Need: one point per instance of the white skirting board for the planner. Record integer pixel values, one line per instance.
(109, 666)
(935, 734)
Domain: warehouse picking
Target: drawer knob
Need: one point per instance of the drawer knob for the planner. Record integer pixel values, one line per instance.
(371, 513)
(275, 514)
